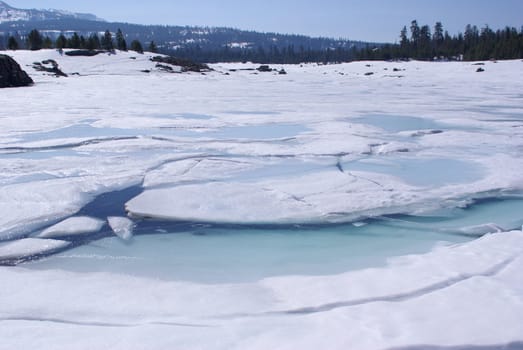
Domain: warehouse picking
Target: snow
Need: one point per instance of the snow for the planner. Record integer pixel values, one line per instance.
(122, 227)
(327, 154)
(28, 247)
(79, 225)
(410, 302)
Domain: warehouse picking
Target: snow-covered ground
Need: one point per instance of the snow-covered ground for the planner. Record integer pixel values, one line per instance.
(322, 145)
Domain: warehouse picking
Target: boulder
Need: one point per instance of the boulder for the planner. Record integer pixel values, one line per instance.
(11, 74)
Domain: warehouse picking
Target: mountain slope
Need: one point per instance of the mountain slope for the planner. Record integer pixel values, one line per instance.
(204, 44)
(11, 14)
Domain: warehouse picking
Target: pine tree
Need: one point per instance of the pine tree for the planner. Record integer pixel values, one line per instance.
(121, 44)
(61, 42)
(12, 44)
(93, 43)
(136, 46)
(34, 40)
(404, 42)
(437, 39)
(47, 43)
(74, 41)
(107, 41)
(153, 47)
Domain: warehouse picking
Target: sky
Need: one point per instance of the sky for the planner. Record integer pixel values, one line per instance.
(365, 20)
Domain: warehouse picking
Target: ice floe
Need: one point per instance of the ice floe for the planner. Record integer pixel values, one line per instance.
(28, 247)
(72, 227)
(122, 227)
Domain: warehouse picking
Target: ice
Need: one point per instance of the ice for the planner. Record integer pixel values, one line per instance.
(73, 226)
(29, 247)
(480, 230)
(409, 302)
(314, 147)
(122, 227)
(395, 124)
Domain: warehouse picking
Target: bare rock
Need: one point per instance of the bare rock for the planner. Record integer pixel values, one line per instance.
(11, 74)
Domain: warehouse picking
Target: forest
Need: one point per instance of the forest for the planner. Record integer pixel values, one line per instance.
(419, 42)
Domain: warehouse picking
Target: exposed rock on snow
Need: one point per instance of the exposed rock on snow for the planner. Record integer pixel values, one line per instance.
(187, 65)
(73, 226)
(264, 68)
(85, 53)
(11, 74)
(28, 247)
(49, 66)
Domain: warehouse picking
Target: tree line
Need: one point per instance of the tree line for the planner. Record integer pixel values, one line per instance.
(36, 41)
(475, 44)
(416, 42)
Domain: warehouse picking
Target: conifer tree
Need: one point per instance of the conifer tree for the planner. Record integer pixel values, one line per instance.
(12, 44)
(47, 43)
(61, 42)
(153, 47)
(107, 41)
(93, 43)
(34, 40)
(121, 44)
(136, 46)
(74, 41)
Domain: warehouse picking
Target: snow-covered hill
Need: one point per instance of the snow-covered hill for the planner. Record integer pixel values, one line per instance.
(11, 14)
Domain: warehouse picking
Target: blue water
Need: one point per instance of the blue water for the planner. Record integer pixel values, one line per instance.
(258, 132)
(86, 131)
(419, 171)
(395, 123)
(204, 253)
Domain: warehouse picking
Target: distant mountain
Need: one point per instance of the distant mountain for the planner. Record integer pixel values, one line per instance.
(11, 14)
(205, 44)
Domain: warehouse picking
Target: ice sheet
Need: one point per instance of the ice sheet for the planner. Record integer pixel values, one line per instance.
(206, 169)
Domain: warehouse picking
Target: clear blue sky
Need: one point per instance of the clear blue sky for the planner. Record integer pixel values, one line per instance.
(368, 20)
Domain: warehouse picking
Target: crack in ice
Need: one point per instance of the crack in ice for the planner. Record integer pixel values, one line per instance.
(103, 324)
(394, 298)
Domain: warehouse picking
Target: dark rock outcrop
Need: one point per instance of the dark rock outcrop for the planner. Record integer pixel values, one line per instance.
(264, 68)
(85, 53)
(49, 66)
(187, 65)
(11, 74)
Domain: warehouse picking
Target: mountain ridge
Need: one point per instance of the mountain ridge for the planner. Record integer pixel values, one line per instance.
(9, 13)
(200, 43)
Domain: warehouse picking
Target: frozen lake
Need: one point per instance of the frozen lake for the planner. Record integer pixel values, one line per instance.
(324, 208)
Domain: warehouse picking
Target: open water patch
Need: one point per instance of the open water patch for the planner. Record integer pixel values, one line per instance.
(258, 132)
(421, 172)
(212, 253)
(396, 123)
